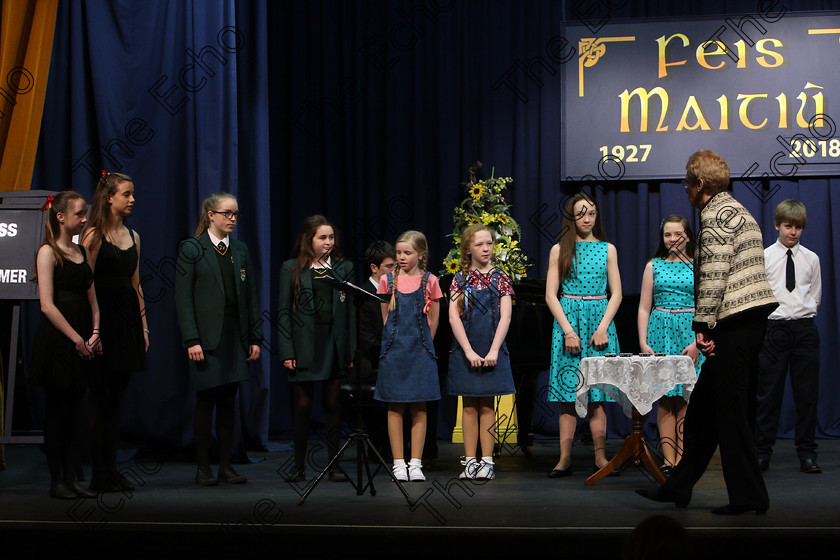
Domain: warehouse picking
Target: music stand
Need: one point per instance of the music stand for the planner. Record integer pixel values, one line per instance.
(359, 436)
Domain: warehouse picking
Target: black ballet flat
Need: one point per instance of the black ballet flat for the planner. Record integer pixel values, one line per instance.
(83, 492)
(204, 477)
(227, 474)
(296, 475)
(123, 482)
(729, 509)
(667, 469)
(337, 476)
(561, 473)
(61, 491)
(657, 495)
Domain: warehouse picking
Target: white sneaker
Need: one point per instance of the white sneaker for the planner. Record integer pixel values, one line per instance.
(400, 472)
(471, 466)
(415, 473)
(485, 471)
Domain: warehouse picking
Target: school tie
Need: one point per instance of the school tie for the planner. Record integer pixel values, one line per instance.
(221, 248)
(790, 272)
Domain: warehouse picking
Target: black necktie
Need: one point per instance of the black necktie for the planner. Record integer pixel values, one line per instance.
(221, 248)
(790, 272)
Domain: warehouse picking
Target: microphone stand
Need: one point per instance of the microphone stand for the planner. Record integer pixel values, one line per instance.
(359, 436)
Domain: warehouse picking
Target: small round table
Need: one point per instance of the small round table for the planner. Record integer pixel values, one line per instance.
(635, 382)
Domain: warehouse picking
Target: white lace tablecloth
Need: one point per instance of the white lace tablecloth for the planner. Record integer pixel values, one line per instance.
(634, 381)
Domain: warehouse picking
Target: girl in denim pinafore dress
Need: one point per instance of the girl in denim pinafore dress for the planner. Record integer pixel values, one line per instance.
(479, 364)
(408, 373)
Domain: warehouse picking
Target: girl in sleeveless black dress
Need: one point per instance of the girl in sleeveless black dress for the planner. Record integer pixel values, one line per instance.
(66, 340)
(115, 253)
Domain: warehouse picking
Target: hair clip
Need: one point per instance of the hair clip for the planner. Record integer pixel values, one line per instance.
(104, 177)
(48, 203)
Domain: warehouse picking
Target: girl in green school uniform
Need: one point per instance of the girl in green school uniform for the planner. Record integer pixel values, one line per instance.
(317, 338)
(216, 301)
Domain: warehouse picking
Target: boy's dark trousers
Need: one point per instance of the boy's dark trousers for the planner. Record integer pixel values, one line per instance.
(794, 344)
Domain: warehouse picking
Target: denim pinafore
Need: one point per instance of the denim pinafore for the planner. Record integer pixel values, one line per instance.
(407, 362)
(481, 318)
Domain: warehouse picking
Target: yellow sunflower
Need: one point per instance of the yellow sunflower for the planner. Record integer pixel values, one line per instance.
(477, 191)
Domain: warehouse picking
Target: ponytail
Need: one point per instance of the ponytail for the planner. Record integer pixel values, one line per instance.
(52, 228)
(210, 204)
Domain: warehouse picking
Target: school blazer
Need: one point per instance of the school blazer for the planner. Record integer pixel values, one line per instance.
(200, 293)
(296, 317)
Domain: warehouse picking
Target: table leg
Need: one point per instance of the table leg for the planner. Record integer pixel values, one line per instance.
(635, 448)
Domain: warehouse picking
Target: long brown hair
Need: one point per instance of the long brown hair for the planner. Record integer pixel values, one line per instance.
(302, 251)
(663, 251)
(209, 205)
(418, 242)
(466, 259)
(101, 219)
(568, 234)
(60, 203)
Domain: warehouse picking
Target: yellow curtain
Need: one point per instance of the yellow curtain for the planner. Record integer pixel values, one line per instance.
(26, 37)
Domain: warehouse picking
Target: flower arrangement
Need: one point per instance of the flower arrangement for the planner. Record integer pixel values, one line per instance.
(485, 204)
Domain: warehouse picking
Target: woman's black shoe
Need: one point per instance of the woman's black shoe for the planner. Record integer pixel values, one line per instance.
(738, 510)
(561, 473)
(123, 482)
(337, 476)
(227, 474)
(667, 469)
(83, 492)
(61, 491)
(657, 495)
(204, 477)
(297, 474)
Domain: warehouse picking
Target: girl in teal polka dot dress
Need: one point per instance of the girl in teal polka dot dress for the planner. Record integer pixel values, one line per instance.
(582, 264)
(666, 310)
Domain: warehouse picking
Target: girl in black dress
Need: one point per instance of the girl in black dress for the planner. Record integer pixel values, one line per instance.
(67, 337)
(114, 254)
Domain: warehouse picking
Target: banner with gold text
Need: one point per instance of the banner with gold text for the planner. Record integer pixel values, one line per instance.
(762, 90)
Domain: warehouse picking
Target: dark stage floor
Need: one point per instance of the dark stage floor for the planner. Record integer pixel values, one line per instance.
(521, 512)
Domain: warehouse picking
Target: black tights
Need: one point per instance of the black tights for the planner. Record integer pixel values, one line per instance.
(61, 424)
(304, 395)
(224, 399)
(104, 412)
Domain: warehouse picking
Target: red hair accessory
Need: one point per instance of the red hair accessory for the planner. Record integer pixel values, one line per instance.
(104, 172)
(48, 203)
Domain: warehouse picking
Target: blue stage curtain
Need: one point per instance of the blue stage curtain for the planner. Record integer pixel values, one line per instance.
(369, 112)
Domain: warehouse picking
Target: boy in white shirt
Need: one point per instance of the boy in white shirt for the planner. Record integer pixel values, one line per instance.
(791, 340)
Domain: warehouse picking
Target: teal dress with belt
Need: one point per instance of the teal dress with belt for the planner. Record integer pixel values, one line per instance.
(669, 327)
(587, 279)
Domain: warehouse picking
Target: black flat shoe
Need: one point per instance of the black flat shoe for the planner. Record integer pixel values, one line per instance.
(561, 473)
(295, 475)
(204, 477)
(123, 482)
(337, 476)
(764, 464)
(657, 495)
(227, 474)
(61, 491)
(738, 510)
(809, 466)
(83, 492)
(667, 469)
